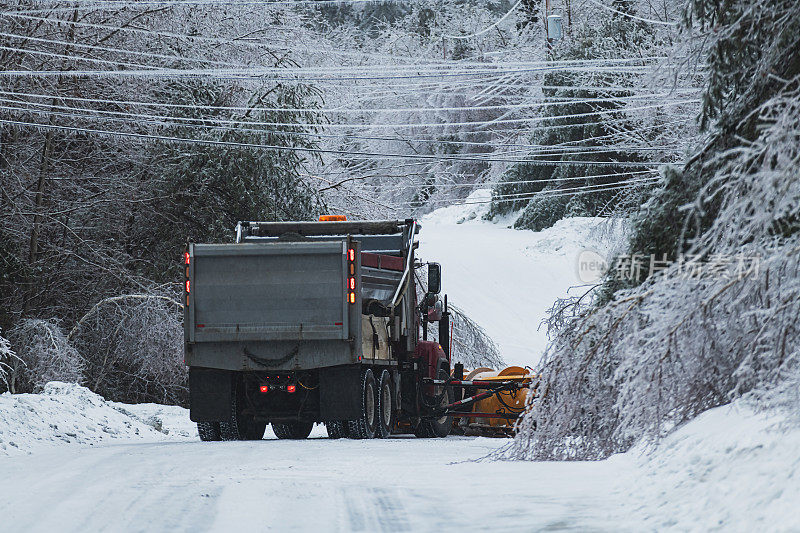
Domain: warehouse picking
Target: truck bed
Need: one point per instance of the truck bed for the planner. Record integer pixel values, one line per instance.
(275, 305)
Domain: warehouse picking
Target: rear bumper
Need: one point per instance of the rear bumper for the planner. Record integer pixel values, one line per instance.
(323, 395)
(270, 355)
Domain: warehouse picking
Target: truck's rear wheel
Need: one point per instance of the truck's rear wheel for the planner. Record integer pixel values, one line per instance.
(239, 425)
(365, 426)
(438, 427)
(385, 405)
(336, 429)
(208, 431)
(292, 430)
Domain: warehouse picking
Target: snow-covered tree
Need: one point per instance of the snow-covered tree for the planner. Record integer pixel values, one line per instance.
(7, 359)
(43, 354)
(722, 321)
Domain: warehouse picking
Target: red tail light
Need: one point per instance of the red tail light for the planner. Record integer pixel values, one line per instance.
(188, 287)
(351, 254)
(187, 258)
(352, 284)
(264, 388)
(291, 388)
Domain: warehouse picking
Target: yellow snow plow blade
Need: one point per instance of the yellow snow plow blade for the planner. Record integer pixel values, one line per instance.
(497, 414)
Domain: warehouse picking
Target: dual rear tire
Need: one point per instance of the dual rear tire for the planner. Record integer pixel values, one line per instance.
(241, 426)
(377, 410)
(238, 426)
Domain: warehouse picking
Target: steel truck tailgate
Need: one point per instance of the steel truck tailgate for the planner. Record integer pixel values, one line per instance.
(277, 291)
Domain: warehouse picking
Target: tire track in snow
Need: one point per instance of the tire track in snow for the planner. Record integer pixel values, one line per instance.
(375, 509)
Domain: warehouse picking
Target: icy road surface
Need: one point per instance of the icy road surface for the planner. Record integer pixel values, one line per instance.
(731, 469)
(399, 484)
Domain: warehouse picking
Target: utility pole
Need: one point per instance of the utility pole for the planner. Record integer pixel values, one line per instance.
(547, 40)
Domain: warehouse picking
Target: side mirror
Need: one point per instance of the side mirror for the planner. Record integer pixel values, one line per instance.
(434, 278)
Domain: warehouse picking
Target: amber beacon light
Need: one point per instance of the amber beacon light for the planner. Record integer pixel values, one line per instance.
(332, 218)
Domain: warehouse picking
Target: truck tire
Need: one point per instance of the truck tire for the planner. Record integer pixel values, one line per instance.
(208, 431)
(336, 429)
(385, 405)
(292, 430)
(439, 427)
(240, 426)
(365, 426)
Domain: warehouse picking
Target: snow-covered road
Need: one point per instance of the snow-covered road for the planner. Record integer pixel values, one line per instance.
(507, 279)
(400, 484)
(84, 464)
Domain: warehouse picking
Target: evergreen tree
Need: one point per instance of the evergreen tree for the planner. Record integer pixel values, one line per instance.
(581, 127)
(201, 191)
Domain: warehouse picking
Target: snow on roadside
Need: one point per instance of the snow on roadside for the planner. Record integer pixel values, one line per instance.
(731, 468)
(171, 420)
(69, 413)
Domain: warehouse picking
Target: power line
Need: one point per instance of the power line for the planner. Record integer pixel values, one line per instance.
(542, 150)
(72, 58)
(617, 11)
(342, 110)
(210, 142)
(334, 110)
(481, 123)
(544, 194)
(286, 74)
(489, 27)
(109, 49)
(521, 182)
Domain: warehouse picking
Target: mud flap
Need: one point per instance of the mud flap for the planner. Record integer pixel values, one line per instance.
(209, 394)
(340, 393)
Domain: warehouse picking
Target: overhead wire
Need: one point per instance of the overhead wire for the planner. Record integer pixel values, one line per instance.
(297, 75)
(481, 123)
(543, 194)
(343, 110)
(543, 181)
(351, 153)
(630, 15)
(109, 49)
(542, 150)
(72, 58)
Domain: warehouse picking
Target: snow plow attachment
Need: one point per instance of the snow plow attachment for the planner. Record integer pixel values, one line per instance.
(488, 402)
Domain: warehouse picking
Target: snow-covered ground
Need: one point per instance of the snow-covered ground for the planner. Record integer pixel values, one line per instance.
(79, 463)
(71, 461)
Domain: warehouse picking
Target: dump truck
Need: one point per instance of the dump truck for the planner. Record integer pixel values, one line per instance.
(297, 323)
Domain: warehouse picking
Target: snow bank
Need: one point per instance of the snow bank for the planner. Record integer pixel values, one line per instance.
(69, 413)
(506, 279)
(730, 468)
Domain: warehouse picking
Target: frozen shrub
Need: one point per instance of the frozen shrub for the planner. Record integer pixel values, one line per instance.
(133, 345)
(43, 354)
(7, 358)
